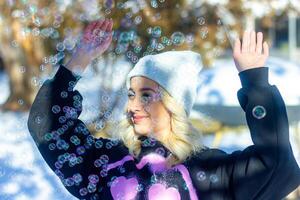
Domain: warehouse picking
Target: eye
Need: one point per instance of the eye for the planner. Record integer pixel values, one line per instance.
(146, 98)
(130, 94)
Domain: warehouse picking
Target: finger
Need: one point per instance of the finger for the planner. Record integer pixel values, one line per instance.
(259, 43)
(89, 27)
(110, 25)
(100, 22)
(237, 47)
(252, 45)
(266, 49)
(104, 25)
(98, 25)
(245, 42)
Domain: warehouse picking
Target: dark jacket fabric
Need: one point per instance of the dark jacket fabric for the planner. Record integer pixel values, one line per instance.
(92, 168)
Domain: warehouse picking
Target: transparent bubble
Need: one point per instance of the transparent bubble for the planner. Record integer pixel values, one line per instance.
(45, 60)
(93, 178)
(103, 173)
(37, 22)
(32, 9)
(120, 5)
(58, 165)
(22, 69)
(137, 49)
(38, 119)
(104, 159)
(201, 176)
(77, 178)
(35, 31)
(60, 46)
(74, 139)
(91, 188)
(122, 169)
(153, 179)
(20, 102)
(177, 38)
(134, 59)
(42, 67)
(160, 47)
(108, 145)
(54, 34)
(98, 144)
(204, 32)
(201, 20)
(56, 109)
(35, 81)
(129, 54)
(14, 43)
(48, 136)
(137, 20)
(52, 146)
(213, 178)
(99, 126)
(185, 187)
(83, 191)
(154, 4)
(69, 44)
(97, 163)
(156, 31)
(139, 187)
(259, 112)
(64, 94)
(108, 114)
(160, 151)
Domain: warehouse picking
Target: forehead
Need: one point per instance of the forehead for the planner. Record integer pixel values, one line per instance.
(137, 82)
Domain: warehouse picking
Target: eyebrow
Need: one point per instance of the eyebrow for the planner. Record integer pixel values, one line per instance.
(143, 89)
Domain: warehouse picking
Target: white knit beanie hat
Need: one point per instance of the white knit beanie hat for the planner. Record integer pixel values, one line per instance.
(176, 71)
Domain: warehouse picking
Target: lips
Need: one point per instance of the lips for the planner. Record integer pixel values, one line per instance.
(138, 118)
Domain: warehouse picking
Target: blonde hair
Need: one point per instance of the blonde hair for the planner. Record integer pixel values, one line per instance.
(183, 141)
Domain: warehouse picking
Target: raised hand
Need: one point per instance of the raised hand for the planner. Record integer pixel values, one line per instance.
(96, 39)
(252, 53)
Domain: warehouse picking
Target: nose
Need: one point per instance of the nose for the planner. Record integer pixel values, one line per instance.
(135, 105)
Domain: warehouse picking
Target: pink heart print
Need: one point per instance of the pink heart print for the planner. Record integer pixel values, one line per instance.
(123, 188)
(159, 191)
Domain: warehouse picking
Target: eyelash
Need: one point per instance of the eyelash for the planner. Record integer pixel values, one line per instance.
(144, 94)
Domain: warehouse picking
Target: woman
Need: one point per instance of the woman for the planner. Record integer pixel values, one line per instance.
(159, 155)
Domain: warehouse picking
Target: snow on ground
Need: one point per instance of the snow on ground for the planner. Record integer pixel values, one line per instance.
(24, 175)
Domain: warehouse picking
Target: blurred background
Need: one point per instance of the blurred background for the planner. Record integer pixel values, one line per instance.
(37, 36)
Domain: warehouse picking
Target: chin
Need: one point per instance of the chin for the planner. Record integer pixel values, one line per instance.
(141, 131)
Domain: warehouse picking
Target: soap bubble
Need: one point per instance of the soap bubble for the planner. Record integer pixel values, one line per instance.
(156, 31)
(201, 20)
(22, 69)
(213, 178)
(259, 112)
(201, 176)
(83, 191)
(60, 46)
(177, 38)
(204, 32)
(154, 4)
(137, 20)
(56, 109)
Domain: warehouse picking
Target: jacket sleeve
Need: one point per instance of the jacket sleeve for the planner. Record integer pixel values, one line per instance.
(267, 169)
(76, 157)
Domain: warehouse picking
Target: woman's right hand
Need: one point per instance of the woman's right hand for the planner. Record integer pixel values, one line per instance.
(96, 39)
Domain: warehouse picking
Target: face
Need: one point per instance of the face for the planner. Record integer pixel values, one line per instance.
(145, 103)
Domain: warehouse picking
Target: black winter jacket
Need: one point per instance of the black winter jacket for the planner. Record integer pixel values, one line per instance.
(102, 168)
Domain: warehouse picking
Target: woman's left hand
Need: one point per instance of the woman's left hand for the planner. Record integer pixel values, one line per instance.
(252, 53)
